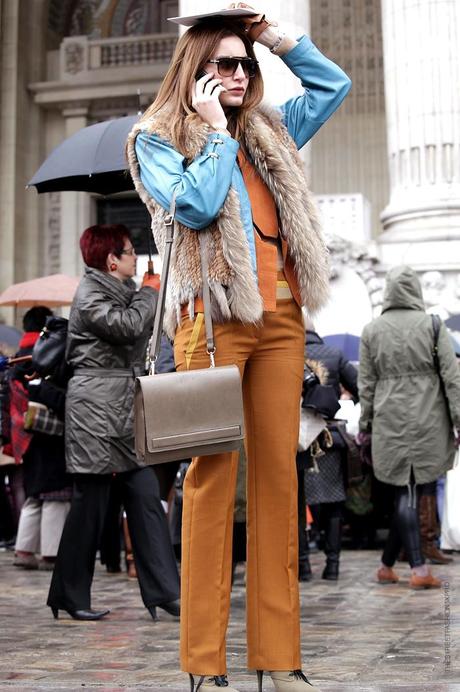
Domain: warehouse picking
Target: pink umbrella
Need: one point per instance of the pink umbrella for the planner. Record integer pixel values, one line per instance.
(53, 291)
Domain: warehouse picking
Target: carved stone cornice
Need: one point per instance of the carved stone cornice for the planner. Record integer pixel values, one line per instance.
(94, 69)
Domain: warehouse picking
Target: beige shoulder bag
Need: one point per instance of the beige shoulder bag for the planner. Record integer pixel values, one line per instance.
(186, 414)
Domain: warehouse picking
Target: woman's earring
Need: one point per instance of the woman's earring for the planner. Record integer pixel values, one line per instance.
(113, 267)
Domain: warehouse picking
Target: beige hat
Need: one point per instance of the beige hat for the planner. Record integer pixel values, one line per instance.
(193, 19)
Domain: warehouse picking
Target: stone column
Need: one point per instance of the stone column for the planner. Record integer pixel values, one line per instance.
(9, 21)
(421, 59)
(22, 53)
(75, 206)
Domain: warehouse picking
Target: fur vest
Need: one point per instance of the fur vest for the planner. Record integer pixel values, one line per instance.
(231, 278)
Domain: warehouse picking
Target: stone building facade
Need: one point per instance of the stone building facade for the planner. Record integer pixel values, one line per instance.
(387, 161)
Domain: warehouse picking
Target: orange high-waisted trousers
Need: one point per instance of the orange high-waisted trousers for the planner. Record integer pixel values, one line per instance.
(270, 358)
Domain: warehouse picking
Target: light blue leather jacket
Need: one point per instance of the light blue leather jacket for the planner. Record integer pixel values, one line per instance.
(202, 185)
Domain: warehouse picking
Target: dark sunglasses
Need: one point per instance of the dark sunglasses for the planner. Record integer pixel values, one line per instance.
(227, 67)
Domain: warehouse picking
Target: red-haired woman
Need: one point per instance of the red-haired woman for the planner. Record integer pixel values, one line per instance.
(109, 328)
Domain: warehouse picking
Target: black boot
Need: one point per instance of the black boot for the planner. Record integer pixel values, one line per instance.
(333, 541)
(304, 550)
(305, 573)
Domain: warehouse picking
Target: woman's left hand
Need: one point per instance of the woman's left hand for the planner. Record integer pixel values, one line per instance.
(258, 27)
(264, 31)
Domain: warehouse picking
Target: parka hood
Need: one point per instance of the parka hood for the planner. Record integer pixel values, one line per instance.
(403, 290)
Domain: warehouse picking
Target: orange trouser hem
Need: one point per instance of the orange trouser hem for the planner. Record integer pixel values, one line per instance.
(270, 358)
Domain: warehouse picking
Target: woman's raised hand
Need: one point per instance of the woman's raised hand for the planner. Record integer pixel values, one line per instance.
(205, 100)
(264, 30)
(258, 26)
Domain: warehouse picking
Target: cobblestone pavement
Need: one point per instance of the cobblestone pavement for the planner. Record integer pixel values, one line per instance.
(357, 635)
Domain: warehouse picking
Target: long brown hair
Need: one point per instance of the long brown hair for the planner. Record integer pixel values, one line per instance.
(193, 50)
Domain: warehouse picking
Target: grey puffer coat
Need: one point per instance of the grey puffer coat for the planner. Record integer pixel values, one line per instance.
(109, 327)
(402, 403)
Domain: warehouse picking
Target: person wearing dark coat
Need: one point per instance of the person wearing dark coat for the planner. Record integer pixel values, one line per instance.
(340, 370)
(323, 484)
(109, 328)
(42, 457)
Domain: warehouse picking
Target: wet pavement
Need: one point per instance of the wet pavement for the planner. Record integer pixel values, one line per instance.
(357, 635)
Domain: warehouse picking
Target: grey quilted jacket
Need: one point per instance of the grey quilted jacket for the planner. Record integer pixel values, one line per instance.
(402, 403)
(109, 327)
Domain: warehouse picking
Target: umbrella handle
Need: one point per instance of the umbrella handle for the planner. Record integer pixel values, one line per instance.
(33, 376)
(19, 359)
(5, 362)
(150, 262)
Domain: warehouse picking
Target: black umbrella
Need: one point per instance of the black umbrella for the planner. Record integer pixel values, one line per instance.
(91, 160)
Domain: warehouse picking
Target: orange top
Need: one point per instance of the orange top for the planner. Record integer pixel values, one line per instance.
(267, 241)
(265, 218)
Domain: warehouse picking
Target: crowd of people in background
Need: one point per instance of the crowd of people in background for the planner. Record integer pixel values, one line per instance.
(406, 404)
(246, 262)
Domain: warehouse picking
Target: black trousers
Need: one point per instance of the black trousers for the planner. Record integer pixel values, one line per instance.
(329, 516)
(153, 554)
(304, 551)
(405, 526)
(110, 546)
(8, 525)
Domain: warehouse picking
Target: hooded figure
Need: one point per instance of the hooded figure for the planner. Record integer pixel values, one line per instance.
(402, 402)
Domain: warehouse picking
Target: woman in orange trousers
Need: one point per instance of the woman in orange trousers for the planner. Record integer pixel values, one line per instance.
(234, 169)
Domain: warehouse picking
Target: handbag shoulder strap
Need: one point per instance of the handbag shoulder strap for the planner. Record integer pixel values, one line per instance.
(170, 225)
(211, 349)
(436, 322)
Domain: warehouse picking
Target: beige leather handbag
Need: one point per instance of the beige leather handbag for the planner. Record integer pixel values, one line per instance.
(185, 414)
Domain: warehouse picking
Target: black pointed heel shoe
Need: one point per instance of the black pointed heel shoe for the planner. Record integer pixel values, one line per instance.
(260, 675)
(209, 682)
(153, 612)
(172, 607)
(192, 682)
(81, 614)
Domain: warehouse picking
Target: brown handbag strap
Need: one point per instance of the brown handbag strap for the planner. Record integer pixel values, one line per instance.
(170, 227)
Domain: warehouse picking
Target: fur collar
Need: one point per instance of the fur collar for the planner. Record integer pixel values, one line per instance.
(231, 279)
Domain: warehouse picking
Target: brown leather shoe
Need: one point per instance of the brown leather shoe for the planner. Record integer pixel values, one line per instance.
(386, 575)
(427, 582)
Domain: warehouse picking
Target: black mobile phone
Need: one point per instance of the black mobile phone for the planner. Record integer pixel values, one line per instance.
(200, 74)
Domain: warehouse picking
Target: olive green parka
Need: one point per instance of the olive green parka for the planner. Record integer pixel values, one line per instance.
(402, 403)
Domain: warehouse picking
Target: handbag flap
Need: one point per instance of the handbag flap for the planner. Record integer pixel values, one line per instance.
(192, 438)
(183, 408)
